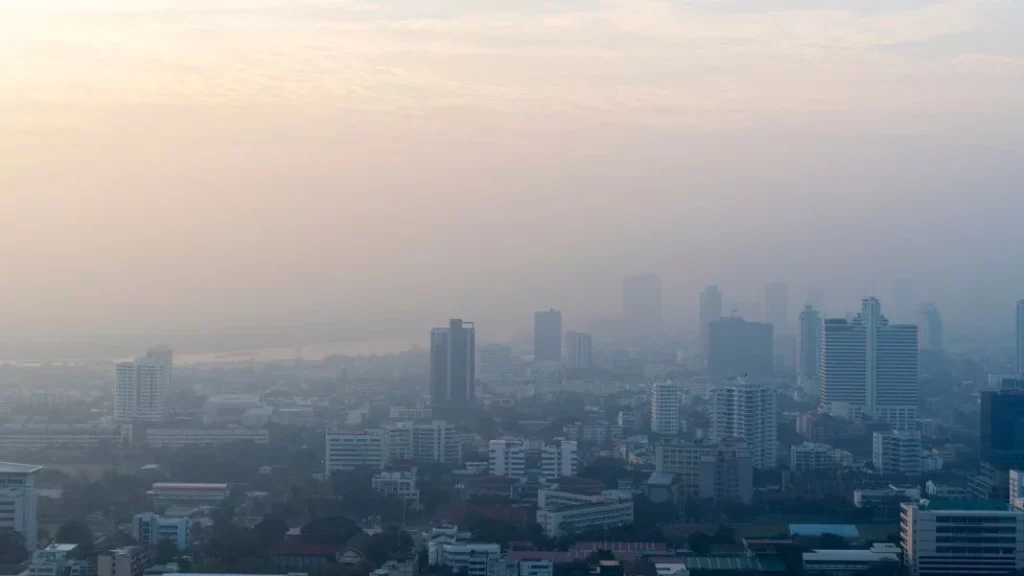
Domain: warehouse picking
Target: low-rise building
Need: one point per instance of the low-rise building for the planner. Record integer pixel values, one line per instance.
(149, 528)
(535, 568)
(880, 496)
(945, 492)
(127, 561)
(559, 460)
(39, 437)
(398, 480)
(811, 457)
(848, 562)
(565, 513)
(181, 437)
(507, 457)
(348, 450)
(188, 494)
(475, 559)
(410, 413)
(897, 453)
(977, 537)
(59, 560)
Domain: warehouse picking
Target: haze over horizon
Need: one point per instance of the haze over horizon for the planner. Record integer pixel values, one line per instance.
(187, 165)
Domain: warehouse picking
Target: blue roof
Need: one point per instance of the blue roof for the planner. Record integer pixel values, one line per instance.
(844, 530)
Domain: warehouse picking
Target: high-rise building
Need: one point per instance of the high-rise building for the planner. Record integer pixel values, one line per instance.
(18, 498)
(507, 457)
(641, 305)
(665, 408)
(547, 336)
(1020, 338)
(559, 459)
(710, 311)
(140, 390)
(165, 355)
(746, 411)
(495, 364)
(978, 537)
(776, 305)
(808, 364)
(453, 364)
(896, 452)
(870, 367)
(579, 350)
(422, 442)
(1002, 428)
(740, 348)
(930, 329)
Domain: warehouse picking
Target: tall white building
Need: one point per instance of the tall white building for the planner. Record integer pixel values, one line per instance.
(943, 537)
(18, 511)
(1020, 338)
(422, 442)
(507, 458)
(665, 408)
(870, 367)
(149, 528)
(140, 390)
(930, 335)
(348, 450)
(808, 353)
(579, 350)
(495, 363)
(745, 410)
(559, 459)
(897, 453)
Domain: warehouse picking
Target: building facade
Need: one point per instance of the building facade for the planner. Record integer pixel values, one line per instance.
(559, 460)
(507, 458)
(745, 410)
(149, 528)
(453, 364)
(140, 390)
(808, 363)
(961, 537)
(665, 408)
(739, 348)
(870, 367)
(897, 453)
(579, 352)
(181, 437)
(566, 513)
(547, 336)
(710, 311)
(812, 457)
(18, 501)
(930, 333)
(348, 450)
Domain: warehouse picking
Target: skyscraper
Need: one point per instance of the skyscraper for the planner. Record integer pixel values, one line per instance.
(140, 390)
(746, 410)
(641, 305)
(665, 408)
(710, 311)
(740, 348)
(579, 350)
(1002, 428)
(870, 367)
(930, 331)
(808, 366)
(1020, 338)
(165, 355)
(776, 306)
(453, 363)
(547, 336)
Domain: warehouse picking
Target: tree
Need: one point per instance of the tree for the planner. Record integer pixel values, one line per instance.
(12, 548)
(75, 532)
(331, 530)
(832, 542)
(725, 535)
(699, 543)
(164, 551)
(270, 531)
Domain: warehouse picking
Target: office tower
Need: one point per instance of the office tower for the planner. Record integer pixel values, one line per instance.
(979, 537)
(776, 305)
(140, 389)
(165, 355)
(559, 460)
(896, 453)
(18, 498)
(1020, 338)
(579, 350)
(710, 311)
(547, 336)
(665, 408)
(641, 305)
(495, 363)
(745, 410)
(808, 361)
(1002, 428)
(349, 450)
(740, 348)
(870, 367)
(507, 458)
(930, 330)
(453, 363)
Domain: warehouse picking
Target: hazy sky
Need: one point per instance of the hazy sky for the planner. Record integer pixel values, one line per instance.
(199, 163)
